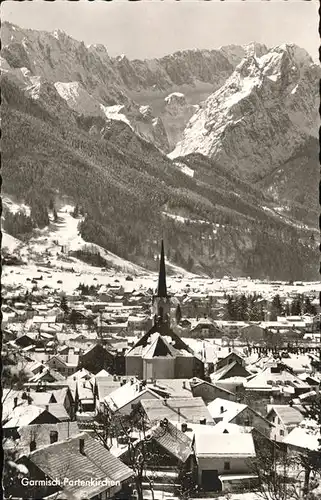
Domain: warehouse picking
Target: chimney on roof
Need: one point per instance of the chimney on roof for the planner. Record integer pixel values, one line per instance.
(203, 421)
(82, 446)
(184, 384)
(222, 409)
(47, 407)
(29, 400)
(115, 378)
(184, 427)
(165, 401)
(15, 402)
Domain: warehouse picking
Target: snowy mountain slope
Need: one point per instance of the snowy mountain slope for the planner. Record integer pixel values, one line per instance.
(260, 116)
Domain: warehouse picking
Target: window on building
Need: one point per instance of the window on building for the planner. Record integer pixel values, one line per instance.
(281, 432)
(53, 437)
(227, 466)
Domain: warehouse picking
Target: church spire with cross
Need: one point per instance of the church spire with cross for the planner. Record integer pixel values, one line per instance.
(161, 301)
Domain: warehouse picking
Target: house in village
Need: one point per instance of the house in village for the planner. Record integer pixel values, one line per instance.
(305, 436)
(35, 436)
(27, 414)
(66, 365)
(230, 358)
(126, 398)
(232, 412)
(276, 379)
(223, 460)
(79, 458)
(169, 456)
(209, 391)
(230, 376)
(97, 358)
(177, 410)
(284, 418)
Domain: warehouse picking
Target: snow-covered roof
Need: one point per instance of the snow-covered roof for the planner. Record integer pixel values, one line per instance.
(224, 409)
(209, 443)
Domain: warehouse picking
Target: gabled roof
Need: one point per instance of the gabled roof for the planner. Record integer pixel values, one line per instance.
(176, 410)
(63, 459)
(209, 443)
(59, 411)
(127, 394)
(173, 440)
(275, 375)
(196, 382)
(159, 347)
(178, 346)
(225, 371)
(102, 373)
(40, 433)
(224, 409)
(287, 414)
(23, 415)
(305, 435)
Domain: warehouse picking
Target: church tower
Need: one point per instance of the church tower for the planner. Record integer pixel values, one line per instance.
(161, 301)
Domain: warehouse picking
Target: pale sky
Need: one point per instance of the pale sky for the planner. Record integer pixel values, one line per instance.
(152, 28)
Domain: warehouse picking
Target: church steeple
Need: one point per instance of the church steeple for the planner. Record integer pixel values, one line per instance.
(162, 289)
(161, 301)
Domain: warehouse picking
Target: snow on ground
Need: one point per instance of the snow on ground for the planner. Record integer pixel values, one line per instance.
(10, 242)
(13, 206)
(68, 90)
(275, 211)
(182, 219)
(46, 245)
(114, 113)
(184, 168)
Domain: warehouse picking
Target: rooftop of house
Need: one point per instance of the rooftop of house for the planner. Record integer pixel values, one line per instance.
(177, 410)
(172, 387)
(23, 415)
(224, 409)
(225, 371)
(127, 393)
(275, 374)
(209, 443)
(305, 435)
(287, 414)
(40, 433)
(66, 458)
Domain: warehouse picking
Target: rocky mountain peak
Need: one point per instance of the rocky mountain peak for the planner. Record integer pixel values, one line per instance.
(264, 111)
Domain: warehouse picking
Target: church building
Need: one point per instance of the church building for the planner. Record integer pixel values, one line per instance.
(161, 353)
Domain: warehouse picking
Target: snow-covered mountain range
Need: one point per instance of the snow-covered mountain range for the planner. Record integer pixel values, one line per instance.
(238, 117)
(258, 119)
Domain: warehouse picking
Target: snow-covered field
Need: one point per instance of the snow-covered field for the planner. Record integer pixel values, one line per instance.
(46, 255)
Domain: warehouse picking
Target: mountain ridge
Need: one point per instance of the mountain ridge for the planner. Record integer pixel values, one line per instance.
(213, 221)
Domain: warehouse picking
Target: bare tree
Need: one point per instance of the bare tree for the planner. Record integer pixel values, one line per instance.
(280, 474)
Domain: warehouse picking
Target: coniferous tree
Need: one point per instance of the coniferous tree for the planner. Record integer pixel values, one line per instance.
(55, 215)
(276, 307)
(64, 304)
(75, 212)
(178, 313)
(309, 308)
(231, 311)
(296, 307)
(242, 308)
